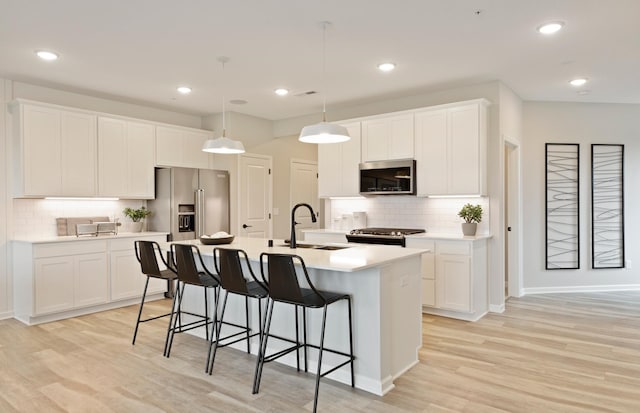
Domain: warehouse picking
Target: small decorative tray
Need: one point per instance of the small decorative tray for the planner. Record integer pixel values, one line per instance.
(217, 241)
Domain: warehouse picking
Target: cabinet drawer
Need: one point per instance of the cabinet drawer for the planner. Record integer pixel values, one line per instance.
(68, 248)
(453, 248)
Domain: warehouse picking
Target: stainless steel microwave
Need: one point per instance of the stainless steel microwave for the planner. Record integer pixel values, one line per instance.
(388, 177)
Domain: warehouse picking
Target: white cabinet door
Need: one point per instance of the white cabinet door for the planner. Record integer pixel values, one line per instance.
(388, 138)
(464, 151)
(338, 170)
(140, 143)
(125, 153)
(78, 154)
(453, 282)
(112, 159)
(451, 150)
(431, 152)
(53, 285)
(126, 280)
(181, 147)
(91, 280)
(41, 167)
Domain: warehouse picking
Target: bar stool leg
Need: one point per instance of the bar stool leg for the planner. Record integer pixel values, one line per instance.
(297, 341)
(263, 347)
(324, 322)
(351, 342)
(246, 318)
(175, 314)
(304, 337)
(144, 294)
(211, 358)
(206, 312)
(173, 328)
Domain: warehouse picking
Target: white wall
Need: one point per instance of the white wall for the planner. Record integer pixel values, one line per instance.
(582, 123)
(250, 130)
(6, 288)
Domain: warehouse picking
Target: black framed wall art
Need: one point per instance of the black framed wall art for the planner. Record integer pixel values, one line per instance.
(562, 198)
(607, 206)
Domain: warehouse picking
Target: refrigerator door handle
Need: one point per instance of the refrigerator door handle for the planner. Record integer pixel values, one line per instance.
(200, 213)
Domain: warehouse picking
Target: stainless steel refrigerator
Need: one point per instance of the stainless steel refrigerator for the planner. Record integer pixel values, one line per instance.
(190, 203)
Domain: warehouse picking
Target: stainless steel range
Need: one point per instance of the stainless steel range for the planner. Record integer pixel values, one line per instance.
(386, 236)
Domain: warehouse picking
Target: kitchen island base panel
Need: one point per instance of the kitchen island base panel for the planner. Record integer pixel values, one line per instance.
(387, 323)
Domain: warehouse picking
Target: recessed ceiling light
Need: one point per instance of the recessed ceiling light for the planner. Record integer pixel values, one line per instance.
(184, 90)
(238, 102)
(281, 92)
(578, 82)
(583, 92)
(386, 67)
(47, 55)
(550, 28)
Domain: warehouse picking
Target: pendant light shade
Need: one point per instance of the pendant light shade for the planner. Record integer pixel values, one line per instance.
(324, 132)
(223, 145)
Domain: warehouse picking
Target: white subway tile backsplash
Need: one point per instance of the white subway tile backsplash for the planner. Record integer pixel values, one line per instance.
(438, 215)
(37, 217)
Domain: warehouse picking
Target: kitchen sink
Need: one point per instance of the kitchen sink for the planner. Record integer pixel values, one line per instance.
(317, 246)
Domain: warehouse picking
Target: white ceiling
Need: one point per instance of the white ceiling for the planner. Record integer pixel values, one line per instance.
(141, 50)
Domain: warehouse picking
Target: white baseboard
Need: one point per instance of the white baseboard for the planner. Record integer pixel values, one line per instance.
(582, 289)
(496, 308)
(5, 315)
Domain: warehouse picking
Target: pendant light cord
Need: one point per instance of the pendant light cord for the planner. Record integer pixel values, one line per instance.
(223, 60)
(324, 70)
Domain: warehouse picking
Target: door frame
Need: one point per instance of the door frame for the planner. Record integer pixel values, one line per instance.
(514, 241)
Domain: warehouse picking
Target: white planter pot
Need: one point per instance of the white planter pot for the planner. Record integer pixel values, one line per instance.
(469, 229)
(136, 226)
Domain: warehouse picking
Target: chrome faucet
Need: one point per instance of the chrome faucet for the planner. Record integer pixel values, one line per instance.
(294, 223)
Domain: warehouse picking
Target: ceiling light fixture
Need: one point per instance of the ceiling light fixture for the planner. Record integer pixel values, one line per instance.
(223, 144)
(550, 28)
(578, 82)
(185, 90)
(47, 55)
(386, 67)
(281, 92)
(324, 132)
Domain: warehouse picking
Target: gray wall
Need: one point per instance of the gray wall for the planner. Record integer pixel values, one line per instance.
(583, 123)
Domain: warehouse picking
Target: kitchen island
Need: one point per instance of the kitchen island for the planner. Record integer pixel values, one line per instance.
(384, 282)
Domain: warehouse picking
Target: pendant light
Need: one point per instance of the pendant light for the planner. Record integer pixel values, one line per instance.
(223, 144)
(324, 132)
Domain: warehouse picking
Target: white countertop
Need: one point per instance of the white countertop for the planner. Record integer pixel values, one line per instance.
(354, 258)
(325, 231)
(449, 236)
(70, 238)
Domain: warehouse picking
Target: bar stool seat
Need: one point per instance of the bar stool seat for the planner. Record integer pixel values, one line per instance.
(146, 254)
(284, 287)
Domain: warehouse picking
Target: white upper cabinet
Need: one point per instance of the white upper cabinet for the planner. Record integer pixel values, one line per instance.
(338, 166)
(182, 147)
(125, 164)
(388, 138)
(55, 151)
(451, 149)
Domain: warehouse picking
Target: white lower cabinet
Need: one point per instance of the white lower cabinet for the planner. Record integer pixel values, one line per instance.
(454, 277)
(126, 280)
(61, 279)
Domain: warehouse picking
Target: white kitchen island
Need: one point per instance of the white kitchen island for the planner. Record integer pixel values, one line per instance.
(384, 282)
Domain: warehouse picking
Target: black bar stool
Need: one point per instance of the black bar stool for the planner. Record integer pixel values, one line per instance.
(147, 253)
(228, 265)
(188, 273)
(284, 287)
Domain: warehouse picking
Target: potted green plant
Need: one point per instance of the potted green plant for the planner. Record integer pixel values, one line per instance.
(472, 215)
(136, 215)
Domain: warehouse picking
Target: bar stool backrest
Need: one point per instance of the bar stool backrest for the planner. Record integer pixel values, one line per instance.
(186, 263)
(283, 279)
(146, 255)
(229, 268)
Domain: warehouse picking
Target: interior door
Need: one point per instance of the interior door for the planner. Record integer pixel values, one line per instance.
(304, 188)
(254, 196)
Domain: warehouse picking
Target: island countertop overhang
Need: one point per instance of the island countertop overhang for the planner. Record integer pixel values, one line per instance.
(354, 257)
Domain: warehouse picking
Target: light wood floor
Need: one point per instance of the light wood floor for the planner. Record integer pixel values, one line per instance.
(546, 353)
